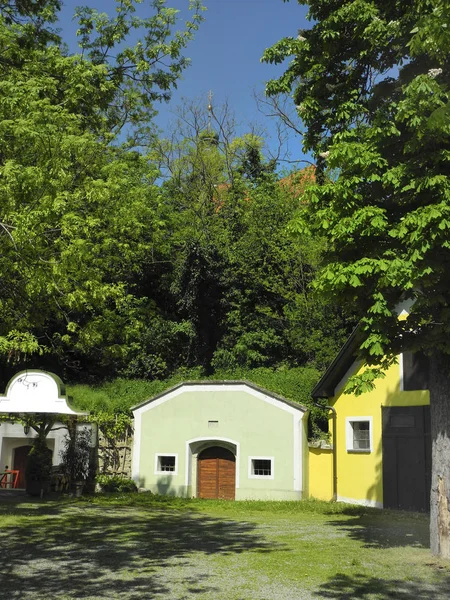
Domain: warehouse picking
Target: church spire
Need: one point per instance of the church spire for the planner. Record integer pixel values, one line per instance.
(210, 96)
(209, 136)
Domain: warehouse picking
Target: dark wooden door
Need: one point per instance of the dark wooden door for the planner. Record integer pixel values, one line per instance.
(216, 473)
(20, 463)
(406, 457)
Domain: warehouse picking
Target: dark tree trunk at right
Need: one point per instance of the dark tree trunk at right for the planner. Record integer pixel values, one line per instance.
(440, 435)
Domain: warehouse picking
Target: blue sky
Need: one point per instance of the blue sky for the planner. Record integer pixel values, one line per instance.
(225, 54)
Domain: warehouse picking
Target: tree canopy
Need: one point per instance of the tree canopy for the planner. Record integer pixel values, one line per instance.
(126, 255)
(370, 80)
(80, 211)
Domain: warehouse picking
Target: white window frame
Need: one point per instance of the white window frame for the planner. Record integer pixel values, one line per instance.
(158, 455)
(250, 467)
(349, 434)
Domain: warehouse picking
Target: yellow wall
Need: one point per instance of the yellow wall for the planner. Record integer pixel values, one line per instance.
(320, 473)
(359, 474)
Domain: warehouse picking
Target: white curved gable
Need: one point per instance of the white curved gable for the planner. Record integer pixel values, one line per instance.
(35, 392)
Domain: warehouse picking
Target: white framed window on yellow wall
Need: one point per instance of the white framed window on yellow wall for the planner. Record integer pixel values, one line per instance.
(359, 434)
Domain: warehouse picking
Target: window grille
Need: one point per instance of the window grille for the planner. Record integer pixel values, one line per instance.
(361, 435)
(262, 467)
(166, 464)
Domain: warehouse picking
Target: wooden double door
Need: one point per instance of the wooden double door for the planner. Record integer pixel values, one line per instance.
(406, 457)
(216, 473)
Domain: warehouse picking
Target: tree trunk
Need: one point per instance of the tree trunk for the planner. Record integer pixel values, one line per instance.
(440, 435)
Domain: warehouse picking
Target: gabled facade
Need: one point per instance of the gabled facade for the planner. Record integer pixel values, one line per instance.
(30, 392)
(229, 440)
(381, 445)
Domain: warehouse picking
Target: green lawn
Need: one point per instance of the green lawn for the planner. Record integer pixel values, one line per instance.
(138, 547)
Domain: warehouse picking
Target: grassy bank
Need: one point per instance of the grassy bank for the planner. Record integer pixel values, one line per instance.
(137, 546)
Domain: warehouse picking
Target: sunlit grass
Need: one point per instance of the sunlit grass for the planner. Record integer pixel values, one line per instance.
(233, 508)
(141, 545)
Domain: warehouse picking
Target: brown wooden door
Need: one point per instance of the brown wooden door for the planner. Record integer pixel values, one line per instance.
(20, 463)
(406, 457)
(216, 473)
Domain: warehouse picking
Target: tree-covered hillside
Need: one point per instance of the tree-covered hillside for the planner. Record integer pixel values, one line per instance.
(121, 258)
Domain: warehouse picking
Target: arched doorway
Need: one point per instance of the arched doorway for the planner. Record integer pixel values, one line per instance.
(20, 462)
(216, 473)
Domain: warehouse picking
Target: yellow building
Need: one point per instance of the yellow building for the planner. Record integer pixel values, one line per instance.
(381, 449)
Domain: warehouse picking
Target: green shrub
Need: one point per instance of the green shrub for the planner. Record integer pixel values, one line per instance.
(75, 455)
(38, 468)
(115, 483)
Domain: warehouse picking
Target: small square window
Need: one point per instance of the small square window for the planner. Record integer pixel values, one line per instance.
(166, 463)
(261, 467)
(359, 434)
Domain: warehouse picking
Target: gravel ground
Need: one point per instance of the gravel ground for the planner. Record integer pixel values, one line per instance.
(70, 551)
(93, 553)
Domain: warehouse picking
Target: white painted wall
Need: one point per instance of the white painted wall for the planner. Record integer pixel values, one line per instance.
(12, 436)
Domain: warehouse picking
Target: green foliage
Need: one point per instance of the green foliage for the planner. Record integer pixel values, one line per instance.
(80, 214)
(293, 384)
(119, 395)
(115, 483)
(371, 82)
(39, 463)
(272, 317)
(110, 403)
(75, 454)
(113, 423)
(239, 279)
(106, 272)
(141, 73)
(364, 382)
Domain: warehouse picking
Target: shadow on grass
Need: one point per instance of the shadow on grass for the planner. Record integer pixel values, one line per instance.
(386, 530)
(363, 587)
(74, 550)
(19, 504)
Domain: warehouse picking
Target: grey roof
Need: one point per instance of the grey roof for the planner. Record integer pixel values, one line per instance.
(340, 365)
(223, 382)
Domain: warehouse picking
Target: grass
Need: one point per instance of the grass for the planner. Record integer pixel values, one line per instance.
(134, 546)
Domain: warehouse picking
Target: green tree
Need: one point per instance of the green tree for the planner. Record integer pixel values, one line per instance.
(80, 213)
(370, 80)
(201, 160)
(140, 74)
(238, 278)
(272, 316)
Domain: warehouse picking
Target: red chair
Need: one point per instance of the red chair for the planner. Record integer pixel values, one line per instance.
(9, 478)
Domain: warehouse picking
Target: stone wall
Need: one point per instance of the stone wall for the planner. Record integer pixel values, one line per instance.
(114, 455)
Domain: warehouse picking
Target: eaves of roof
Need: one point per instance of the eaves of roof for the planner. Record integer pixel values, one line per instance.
(224, 383)
(340, 365)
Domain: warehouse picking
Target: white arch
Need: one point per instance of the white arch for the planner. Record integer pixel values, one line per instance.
(35, 391)
(209, 441)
